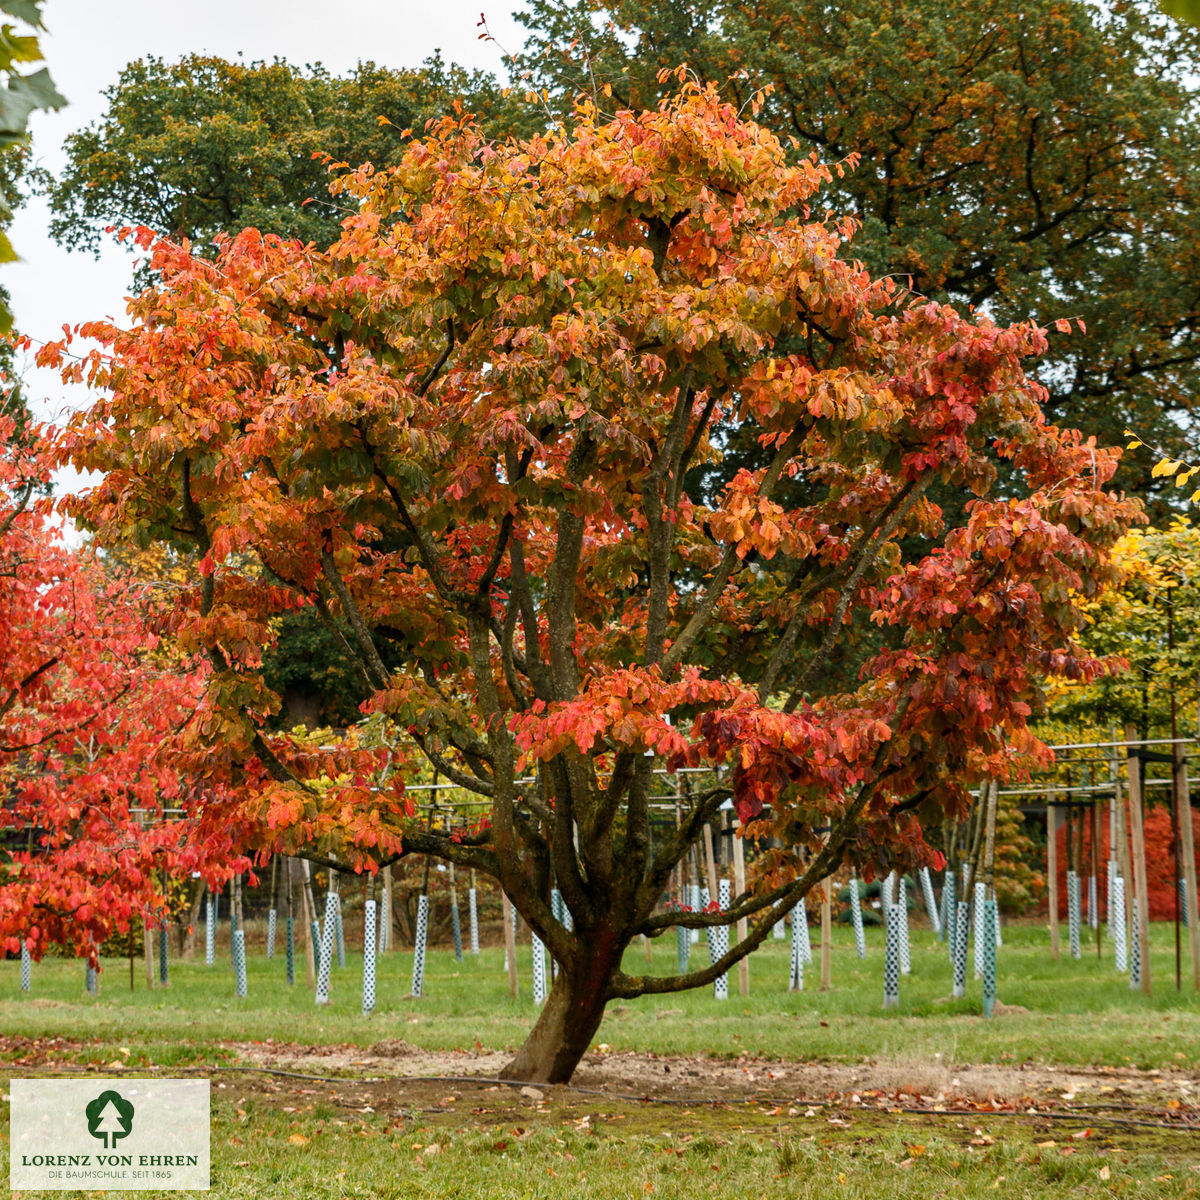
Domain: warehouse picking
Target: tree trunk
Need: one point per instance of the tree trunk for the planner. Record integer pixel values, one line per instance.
(568, 1022)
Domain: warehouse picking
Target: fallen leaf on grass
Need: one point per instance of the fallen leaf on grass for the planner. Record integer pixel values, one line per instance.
(298, 1139)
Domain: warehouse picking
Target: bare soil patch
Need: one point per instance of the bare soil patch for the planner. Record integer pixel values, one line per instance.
(698, 1079)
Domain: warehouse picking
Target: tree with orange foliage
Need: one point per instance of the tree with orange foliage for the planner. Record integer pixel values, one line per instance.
(467, 434)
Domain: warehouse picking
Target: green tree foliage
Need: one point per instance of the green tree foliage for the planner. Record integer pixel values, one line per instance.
(1182, 10)
(23, 92)
(310, 665)
(1036, 160)
(1159, 602)
(205, 146)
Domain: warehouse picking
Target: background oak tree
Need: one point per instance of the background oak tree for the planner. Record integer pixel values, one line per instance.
(1019, 159)
(205, 146)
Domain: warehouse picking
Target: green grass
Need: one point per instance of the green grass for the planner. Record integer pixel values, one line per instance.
(288, 1142)
(1080, 1012)
(376, 1157)
(275, 1137)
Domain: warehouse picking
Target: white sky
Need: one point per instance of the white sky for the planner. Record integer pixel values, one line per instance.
(89, 41)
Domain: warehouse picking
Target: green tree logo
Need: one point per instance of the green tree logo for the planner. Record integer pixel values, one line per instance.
(109, 1117)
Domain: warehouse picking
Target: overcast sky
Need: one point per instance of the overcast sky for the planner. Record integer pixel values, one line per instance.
(87, 44)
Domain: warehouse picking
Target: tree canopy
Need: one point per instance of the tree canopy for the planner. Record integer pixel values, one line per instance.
(205, 146)
(1024, 160)
(1156, 604)
(464, 435)
(91, 703)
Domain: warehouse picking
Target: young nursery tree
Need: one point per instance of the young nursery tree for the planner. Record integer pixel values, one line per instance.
(90, 702)
(469, 432)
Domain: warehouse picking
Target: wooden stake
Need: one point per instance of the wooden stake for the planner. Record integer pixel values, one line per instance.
(388, 910)
(1121, 839)
(826, 933)
(148, 950)
(1138, 839)
(1095, 868)
(739, 886)
(989, 850)
(310, 915)
(1052, 873)
(1187, 848)
(510, 944)
(714, 893)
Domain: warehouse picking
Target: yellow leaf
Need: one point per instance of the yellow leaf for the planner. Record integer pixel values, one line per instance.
(298, 1139)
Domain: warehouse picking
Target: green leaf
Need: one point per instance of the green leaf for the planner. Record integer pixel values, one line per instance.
(16, 48)
(1182, 10)
(28, 11)
(25, 94)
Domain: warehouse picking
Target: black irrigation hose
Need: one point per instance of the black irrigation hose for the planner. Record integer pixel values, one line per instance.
(1081, 1118)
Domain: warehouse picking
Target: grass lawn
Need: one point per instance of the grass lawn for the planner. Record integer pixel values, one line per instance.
(275, 1135)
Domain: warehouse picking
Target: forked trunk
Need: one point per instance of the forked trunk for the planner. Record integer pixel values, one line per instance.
(565, 1028)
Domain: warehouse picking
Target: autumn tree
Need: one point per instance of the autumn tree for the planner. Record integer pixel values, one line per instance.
(204, 146)
(1020, 159)
(1152, 620)
(91, 698)
(465, 434)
